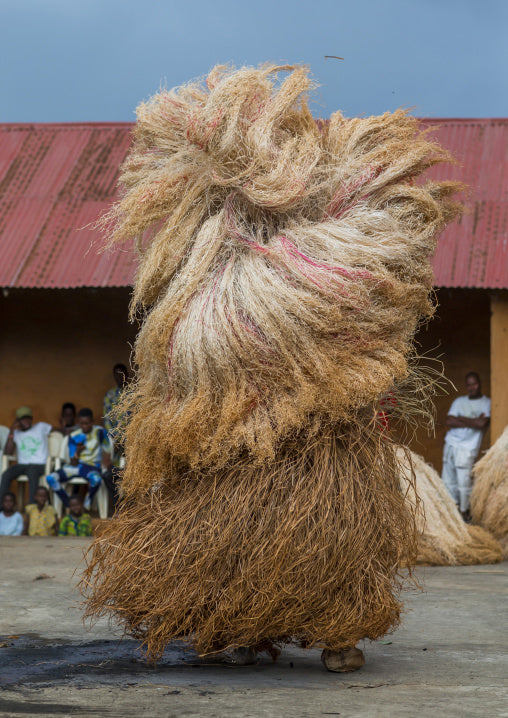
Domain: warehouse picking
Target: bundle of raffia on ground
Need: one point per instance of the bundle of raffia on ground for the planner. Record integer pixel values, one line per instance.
(444, 539)
(489, 498)
(284, 267)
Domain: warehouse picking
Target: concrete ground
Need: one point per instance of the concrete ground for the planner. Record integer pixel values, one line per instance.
(448, 658)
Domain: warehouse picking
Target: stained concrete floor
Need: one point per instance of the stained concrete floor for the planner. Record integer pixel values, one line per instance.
(448, 658)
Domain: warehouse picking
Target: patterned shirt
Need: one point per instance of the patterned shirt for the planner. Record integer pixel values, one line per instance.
(95, 442)
(110, 401)
(41, 523)
(72, 526)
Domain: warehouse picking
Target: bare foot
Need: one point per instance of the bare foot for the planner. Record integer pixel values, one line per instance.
(241, 656)
(344, 661)
(268, 647)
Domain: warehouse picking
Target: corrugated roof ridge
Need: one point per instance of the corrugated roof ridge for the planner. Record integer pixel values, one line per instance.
(65, 125)
(131, 123)
(460, 120)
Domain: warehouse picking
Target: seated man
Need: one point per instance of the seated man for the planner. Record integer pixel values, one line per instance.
(89, 447)
(76, 523)
(31, 444)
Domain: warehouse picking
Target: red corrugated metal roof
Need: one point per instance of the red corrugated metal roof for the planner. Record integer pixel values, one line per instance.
(473, 251)
(56, 179)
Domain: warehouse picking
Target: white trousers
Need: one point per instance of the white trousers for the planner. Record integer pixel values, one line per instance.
(457, 467)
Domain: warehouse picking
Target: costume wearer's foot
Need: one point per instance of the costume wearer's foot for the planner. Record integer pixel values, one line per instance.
(344, 661)
(268, 647)
(466, 515)
(242, 656)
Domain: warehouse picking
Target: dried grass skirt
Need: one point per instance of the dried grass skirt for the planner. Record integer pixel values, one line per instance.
(307, 548)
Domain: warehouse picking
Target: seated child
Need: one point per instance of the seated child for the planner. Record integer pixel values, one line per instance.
(89, 447)
(40, 517)
(76, 523)
(11, 521)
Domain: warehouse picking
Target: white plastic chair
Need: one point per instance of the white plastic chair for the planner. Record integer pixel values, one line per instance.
(4, 433)
(102, 495)
(55, 439)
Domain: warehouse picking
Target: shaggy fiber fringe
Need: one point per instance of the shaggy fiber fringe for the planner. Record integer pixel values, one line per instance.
(282, 551)
(284, 268)
(489, 498)
(443, 537)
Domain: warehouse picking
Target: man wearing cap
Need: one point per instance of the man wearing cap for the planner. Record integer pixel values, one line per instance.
(31, 442)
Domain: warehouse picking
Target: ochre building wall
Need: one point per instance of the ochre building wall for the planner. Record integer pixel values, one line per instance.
(499, 363)
(60, 345)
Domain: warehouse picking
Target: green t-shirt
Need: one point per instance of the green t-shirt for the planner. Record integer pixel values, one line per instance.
(70, 526)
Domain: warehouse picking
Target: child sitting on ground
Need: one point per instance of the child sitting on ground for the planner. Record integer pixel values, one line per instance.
(89, 447)
(11, 521)
(76, 523)
(40, 517)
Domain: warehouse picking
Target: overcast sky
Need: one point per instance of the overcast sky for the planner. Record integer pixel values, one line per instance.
(93, 60)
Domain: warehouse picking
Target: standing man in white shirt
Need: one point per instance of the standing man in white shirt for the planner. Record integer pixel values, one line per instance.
(467, 420)
(31, 442)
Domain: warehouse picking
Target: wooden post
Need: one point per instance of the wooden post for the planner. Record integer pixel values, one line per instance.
(499, 363)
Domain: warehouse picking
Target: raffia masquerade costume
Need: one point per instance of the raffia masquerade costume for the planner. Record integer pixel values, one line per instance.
(284, 268)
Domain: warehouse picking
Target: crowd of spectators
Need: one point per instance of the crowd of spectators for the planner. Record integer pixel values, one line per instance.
(93, 453)
(89, 451)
